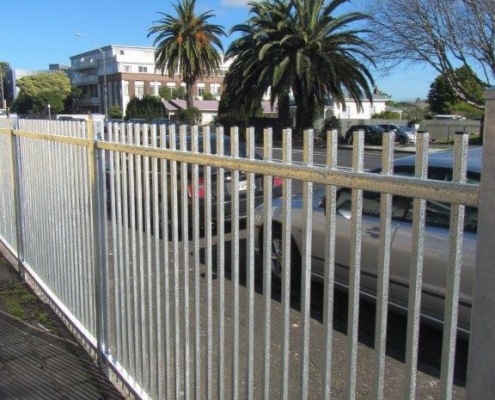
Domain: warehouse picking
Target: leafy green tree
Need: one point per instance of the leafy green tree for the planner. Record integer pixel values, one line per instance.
(443, 99)
(438, 33)
(115, 112)
(330, 124)
(180, 93)
(386, 115)
(148, 107)
(165, 93)
(238, 115)
(53, 98)
(440, 96)
(37, 91)
(187, 43)
(73, 100)
(297, 47)
(23, 104)
(4, 93)
(189, 116)
(208, 96)
(57, 82)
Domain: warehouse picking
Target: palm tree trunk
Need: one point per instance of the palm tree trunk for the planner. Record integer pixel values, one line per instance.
(284, 110)
(189, 95)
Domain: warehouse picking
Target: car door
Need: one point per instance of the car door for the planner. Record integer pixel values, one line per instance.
(435, 257)
(370, 239)
(435, 261)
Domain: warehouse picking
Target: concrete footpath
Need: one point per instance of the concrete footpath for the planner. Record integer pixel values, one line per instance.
(39, 357)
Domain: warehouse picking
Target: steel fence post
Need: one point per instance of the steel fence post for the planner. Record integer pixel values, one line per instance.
(481, 364)
(96, 177)
(16, 172)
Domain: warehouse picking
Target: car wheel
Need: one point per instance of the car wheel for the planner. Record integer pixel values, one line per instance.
(402, 140)
(277, 266)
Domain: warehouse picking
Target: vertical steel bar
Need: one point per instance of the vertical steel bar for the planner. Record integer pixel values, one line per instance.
(164, 310)
(221, 266)
(154, 276)
(234, 132)
(267, 272)
(355, 268)
(146, 276)
(197, 270)
(135, 350)
(139, 277)
(209, 266)
(287, 262)
(454, 273)
(328, 300)
(70, 266)
(185, 258)
(117, 242)
(306, 266)
(121, 136)
(250, 268)
(88, 240)
(383, 266)
(175, 260)
(416, 275)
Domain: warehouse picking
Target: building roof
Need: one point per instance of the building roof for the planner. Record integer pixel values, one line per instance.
(202, 105)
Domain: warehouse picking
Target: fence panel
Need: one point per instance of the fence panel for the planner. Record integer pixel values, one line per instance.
(150, 243)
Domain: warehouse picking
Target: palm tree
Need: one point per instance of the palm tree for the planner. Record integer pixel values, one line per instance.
(296, 46)
(187, 44)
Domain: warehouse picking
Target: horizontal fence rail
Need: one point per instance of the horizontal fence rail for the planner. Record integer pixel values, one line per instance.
(185, 261)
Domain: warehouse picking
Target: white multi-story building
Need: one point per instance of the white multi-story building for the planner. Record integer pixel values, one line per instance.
(129, 71)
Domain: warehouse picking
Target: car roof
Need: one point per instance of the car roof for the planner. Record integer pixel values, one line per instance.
(445, 159)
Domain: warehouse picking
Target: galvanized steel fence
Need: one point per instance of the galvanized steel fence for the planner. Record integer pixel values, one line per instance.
(125, 231)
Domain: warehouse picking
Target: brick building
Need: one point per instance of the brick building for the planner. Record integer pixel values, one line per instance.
(129, 71)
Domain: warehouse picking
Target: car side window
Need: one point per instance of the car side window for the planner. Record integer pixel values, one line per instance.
(372, 202)
(438, 213)
(438, 216)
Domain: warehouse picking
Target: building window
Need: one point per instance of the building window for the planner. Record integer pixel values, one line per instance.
(201, 89)
(127, 68)
(121, 52)
(139, 89)
(170, 88)
(155, 88)
(143, 68)
(126, 88)
(215, 89)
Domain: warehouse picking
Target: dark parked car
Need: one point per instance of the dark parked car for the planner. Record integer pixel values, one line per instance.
(211, 190)
(372, 134)
(403, 134)
(436, 241)
(165, 121)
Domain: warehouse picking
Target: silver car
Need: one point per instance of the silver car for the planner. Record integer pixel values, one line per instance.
(403, 134)
(436, 241)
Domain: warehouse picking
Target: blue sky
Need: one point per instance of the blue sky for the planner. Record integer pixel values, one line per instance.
(37, 33)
